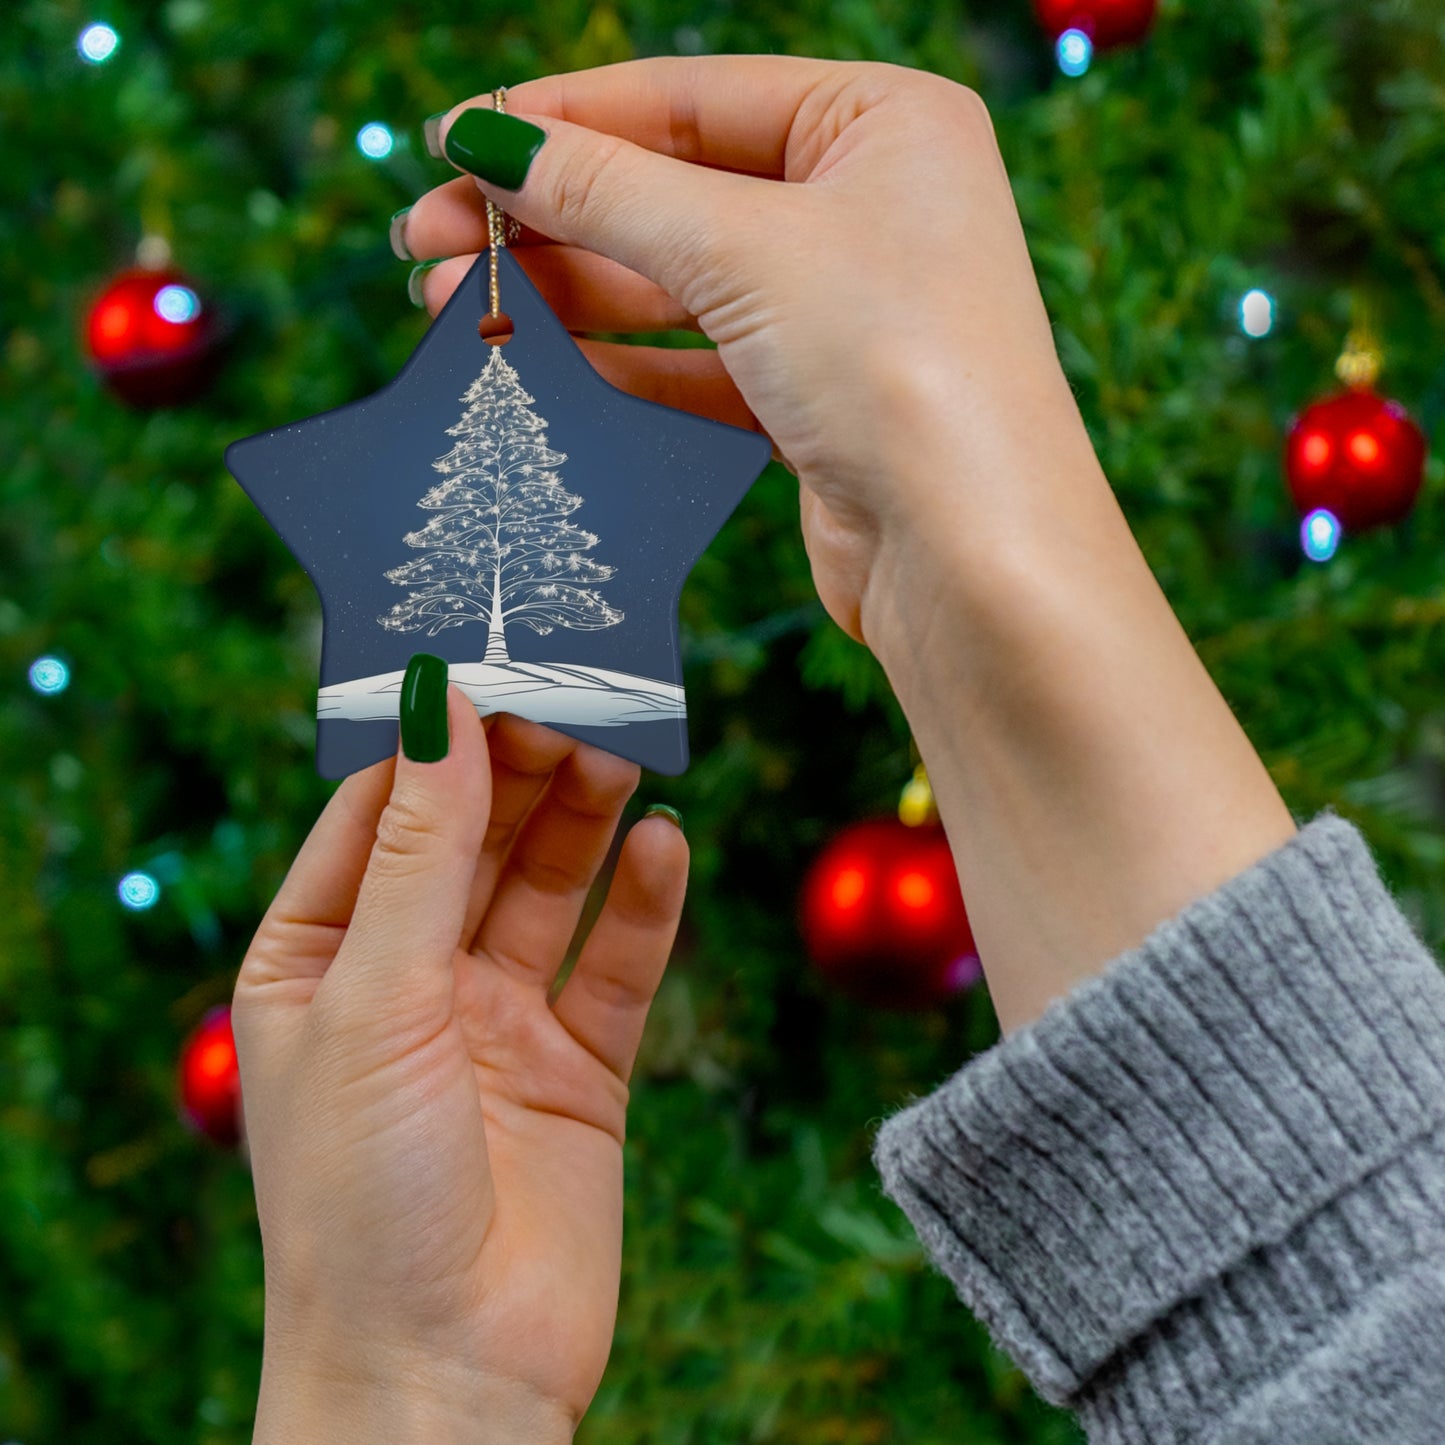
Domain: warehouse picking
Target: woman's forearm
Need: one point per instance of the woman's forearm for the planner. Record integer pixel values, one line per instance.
(1092, 779)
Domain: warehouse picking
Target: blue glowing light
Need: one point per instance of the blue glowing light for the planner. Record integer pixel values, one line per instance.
(97, 43)
(1256, 313)
(375, 140)
(1320, 535)
(1075, 52)
(49, 675)
(138, 891)
(177, 304)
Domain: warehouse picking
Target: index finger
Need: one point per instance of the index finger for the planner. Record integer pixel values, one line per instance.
(735, 112)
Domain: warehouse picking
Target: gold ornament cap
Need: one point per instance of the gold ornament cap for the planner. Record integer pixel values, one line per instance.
(916, 806)
(1359, 364)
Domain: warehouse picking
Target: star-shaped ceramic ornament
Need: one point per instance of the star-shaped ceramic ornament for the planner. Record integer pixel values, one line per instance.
(507, 509)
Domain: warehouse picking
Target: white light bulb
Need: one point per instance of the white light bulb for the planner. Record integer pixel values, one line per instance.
(375, 141)
(97, 44)
(1075, 52)
(138, 891)
(177, 304)
(1256, 313)
(1320, 535)
(49, 675)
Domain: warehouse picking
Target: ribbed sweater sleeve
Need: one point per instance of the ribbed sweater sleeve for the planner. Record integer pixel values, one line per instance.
(1202, 1198)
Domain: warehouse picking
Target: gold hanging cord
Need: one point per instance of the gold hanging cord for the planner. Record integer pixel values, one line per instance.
(501, 228)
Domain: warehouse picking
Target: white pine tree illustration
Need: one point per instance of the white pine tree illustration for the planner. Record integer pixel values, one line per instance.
(500, 548)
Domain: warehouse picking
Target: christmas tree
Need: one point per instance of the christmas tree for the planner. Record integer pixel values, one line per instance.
(500, 548)
(770, 1292)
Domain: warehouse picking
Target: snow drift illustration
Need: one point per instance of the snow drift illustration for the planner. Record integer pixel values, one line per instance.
(585, 696)
(500, 549)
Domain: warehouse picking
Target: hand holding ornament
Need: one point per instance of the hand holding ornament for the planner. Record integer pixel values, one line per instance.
(437, 1144)
(845, 233)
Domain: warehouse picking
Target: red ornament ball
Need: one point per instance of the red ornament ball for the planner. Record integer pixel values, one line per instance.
(210, 1079)
(152, 338)
(1357, 455)
(883, 917)
(1107, 23)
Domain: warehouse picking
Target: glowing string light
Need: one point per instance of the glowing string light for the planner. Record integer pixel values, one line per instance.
(138, 891)
(1320, 535)
(177, 304)
(49, 675)
(375, 141)
(966, 969)
(1256, 313)
(97, 43)
(1075, 52)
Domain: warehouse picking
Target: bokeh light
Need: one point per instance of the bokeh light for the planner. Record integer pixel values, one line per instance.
(1364, 448)
(1320, 535)
(375, 141)
(178, 304)
(964, 971)
(1075, 52)
(1256, 313)
(1315, 451)
(49, 675)
(138, 891)
(849, 887)
(97, 43)
(914, 889)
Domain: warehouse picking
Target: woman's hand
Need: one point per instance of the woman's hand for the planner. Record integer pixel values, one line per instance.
(847, 235)
(437, 1148)
(879, 318)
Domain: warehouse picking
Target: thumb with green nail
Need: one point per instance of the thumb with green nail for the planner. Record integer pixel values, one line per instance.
(436, 1139)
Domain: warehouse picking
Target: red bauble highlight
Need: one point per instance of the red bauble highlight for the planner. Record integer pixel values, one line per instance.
(210, 1079)
(883, 917)
(152, 338)
(1359, 456)
(1107, 23)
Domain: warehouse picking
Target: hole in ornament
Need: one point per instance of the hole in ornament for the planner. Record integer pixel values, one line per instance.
(495, 329)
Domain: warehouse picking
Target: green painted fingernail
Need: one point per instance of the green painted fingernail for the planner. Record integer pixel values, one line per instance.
(431, 133)
(413, 282)
(671, 814)
(498, 148)
(397, 234)
(425, 736)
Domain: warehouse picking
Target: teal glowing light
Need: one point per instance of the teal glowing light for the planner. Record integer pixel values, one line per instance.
(1075, 52)
(375, 141)
(138, 891)
(1256, 313)
(1320, 535)
(97, 44)
(49, 675)
(177, 304)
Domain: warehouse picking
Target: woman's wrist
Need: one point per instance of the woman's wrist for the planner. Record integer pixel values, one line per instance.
(1092, 779)
(976, 508)
(408, 1401)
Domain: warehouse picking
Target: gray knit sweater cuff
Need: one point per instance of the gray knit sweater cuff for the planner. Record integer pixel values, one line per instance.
(1195, 1140)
